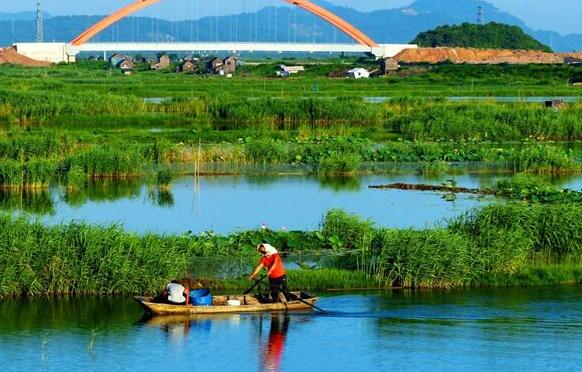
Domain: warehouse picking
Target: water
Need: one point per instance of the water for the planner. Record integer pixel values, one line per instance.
(537, 329)
(228, 203)
(512, 99)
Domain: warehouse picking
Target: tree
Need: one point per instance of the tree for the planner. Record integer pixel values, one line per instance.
(490, 36)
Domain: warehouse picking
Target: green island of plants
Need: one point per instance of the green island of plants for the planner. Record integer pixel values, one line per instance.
(501, 244)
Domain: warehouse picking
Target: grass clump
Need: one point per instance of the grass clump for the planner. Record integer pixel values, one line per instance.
(164, 177)
(33, 174)
(339, 164)
(534, 189)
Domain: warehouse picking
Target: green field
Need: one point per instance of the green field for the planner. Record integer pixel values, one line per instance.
(258, 81)
(78, 123)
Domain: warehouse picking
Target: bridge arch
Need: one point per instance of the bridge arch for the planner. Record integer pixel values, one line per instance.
(137, 5)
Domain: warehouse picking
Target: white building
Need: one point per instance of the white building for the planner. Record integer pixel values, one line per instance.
(289, 70)
(359, 73)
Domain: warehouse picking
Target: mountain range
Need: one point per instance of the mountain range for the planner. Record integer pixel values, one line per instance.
(283, 24)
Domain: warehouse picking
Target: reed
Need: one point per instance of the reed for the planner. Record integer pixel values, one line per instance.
(415, 119)
(163, 177)
(497, 240)
(337, 164)
(78, 259)
(108, 161)
(494, 244)
(304, 280)
(27, 175)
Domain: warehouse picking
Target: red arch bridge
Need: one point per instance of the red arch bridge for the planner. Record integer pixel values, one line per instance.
(66, 52)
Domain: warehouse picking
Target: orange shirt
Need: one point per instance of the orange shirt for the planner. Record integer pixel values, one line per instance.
(270, 261)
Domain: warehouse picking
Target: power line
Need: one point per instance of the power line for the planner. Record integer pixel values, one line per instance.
(39, 25)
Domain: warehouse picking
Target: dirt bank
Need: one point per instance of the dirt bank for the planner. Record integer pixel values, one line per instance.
(9, 55)
(481, 56)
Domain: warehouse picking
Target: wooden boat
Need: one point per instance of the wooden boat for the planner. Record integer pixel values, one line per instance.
(248, 304)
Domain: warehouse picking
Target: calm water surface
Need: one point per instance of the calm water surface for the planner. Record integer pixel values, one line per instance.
(227, 203)
(535, 329)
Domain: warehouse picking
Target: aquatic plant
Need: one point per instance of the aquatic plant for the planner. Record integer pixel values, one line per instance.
(338, 164)
(497, 241)
(534, 189)
(163, 177)
(33, 174)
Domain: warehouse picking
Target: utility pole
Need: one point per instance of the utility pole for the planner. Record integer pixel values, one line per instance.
(481, 16)
(39, 28)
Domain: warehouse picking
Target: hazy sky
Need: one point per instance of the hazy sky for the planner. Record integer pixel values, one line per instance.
(564, 16)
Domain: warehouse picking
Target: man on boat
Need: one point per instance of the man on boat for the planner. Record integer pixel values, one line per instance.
(276, 271)
(178, 293)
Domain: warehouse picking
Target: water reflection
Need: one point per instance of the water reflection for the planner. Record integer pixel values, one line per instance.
(30, 201)
(177, 328)
(272, 351)
(102, 190)
(339, 184)
(161, 197)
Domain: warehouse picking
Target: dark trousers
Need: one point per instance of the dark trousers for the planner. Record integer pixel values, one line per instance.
(278, 285)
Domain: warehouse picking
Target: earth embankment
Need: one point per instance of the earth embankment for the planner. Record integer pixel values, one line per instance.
(11, 56)
(481, 56)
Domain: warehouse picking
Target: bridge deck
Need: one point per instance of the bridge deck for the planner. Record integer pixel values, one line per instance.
(62, 52)
(387, 50)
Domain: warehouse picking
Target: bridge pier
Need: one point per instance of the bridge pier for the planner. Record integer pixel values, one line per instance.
(47, 52)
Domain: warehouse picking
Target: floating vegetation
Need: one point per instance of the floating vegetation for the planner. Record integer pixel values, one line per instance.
(521, 187)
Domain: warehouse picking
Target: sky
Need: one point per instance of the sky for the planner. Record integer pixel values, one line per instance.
(563, 16)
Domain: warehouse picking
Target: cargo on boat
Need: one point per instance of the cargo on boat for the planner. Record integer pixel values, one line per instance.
(230, 304)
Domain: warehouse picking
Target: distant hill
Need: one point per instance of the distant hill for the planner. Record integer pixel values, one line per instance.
(489, 36)
(287, 24)
(21, 16)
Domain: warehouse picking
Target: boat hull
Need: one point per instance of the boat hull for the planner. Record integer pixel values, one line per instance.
(249, 304)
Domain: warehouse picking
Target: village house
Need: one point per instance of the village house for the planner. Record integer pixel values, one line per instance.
(229, 64)
(187, 67)
(115, 59)
(388, 65)
(220, 66)
(163, 62)
(556, 104)
(573, 61)
(289, 70)
(359, 73)
(127, 66)
(215, 65)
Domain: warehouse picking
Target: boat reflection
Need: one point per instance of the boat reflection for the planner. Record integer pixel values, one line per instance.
(178, 327)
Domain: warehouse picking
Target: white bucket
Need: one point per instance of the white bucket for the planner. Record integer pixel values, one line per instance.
(233, 303)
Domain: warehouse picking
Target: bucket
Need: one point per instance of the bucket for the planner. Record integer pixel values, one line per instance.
(201, 297)
(233, 303)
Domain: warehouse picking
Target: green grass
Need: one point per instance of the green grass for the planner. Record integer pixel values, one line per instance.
(495, 245)
(497, 240)
(252, 81)
(305, 280)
